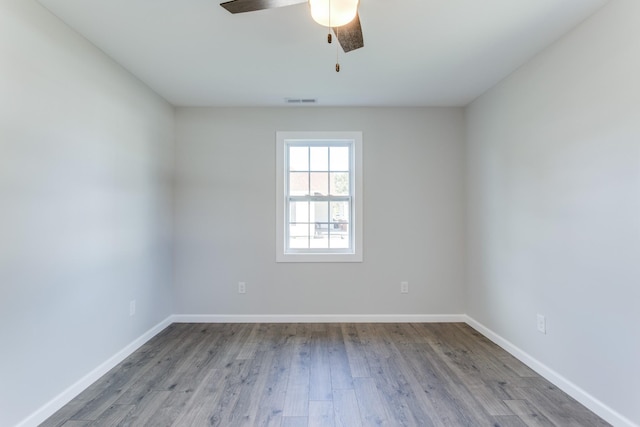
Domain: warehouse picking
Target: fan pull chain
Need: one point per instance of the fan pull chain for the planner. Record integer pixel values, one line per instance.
(337, 52)
(329, 34)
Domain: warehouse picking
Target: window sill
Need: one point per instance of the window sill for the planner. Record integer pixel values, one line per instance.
(319, 257)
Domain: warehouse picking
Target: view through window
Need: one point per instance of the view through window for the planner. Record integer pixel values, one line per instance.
(319, 196)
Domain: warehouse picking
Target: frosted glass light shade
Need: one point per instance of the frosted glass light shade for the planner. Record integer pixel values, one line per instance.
(342, 12)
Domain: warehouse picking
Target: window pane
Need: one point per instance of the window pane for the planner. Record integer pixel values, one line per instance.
(339, 183)
(298, 183)
(340, 237)
(340, 212)
(319, 158)
(299, 236)
(299, 158)
(299, 212)
(321, 236)
(319, 212)
(339, 158)
(319, 183)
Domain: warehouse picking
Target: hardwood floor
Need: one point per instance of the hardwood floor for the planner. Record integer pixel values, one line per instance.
(351, 375)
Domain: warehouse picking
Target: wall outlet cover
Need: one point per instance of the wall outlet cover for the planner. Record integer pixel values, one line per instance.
(542, 324)
(404, 287)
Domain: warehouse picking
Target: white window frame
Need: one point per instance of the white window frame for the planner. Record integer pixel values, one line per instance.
(353, 254)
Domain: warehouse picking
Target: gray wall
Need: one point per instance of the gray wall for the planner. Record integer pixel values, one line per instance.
(413, 208)
(554, 207)
(85, 199)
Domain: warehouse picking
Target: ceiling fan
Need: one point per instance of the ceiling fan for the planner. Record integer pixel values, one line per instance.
(340, 15)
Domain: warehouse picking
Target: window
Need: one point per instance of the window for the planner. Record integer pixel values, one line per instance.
(319, 197)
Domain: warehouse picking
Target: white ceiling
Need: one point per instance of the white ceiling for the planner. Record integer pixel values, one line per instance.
(417, 52)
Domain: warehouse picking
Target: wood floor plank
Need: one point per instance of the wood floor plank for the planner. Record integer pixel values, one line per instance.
(495, 351)
(508, 421)
(473, 369)
(560, 408)
(319, 366)
(355, 355)
(407, 395)
(451, 402)
(246, 409)
(345, 408)
(77, 423)
(145, 409)
(235, 374)
(403, 395)
(321, 413)
(489, 401)
(528, 413)
(373, 409)
(178, 402)
(203, 401)
(271, 403)
(211, 341)
(370, 340)
(462, 353)
(296, 403)
(355, 375)
(113, 416)
(178, 350)
(295, 422)
(340, 369)
(237, 334)
(250, 346)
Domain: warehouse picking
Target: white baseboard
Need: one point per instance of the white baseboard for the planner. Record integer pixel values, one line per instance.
(595, 405)
(318, 318)
(67, 395)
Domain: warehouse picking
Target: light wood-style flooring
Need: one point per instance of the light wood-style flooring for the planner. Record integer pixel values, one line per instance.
(351, 375)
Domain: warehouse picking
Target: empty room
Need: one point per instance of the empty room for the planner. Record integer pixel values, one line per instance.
(319, 213)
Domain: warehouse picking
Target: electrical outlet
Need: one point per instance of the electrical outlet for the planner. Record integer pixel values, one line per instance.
(242, 287)
(132, 307)
(542, 324)
(404, 287)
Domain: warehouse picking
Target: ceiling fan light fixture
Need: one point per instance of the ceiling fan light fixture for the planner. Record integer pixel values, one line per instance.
(333, 13)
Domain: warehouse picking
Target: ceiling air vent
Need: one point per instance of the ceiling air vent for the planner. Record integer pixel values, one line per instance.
(306, 101)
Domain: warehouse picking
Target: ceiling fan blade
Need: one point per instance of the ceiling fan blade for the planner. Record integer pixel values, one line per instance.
(350, 35)
(240, 6)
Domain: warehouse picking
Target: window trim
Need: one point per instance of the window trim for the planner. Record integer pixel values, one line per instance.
(355, 140)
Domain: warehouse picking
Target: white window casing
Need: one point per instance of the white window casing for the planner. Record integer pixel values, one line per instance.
(319, 197)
